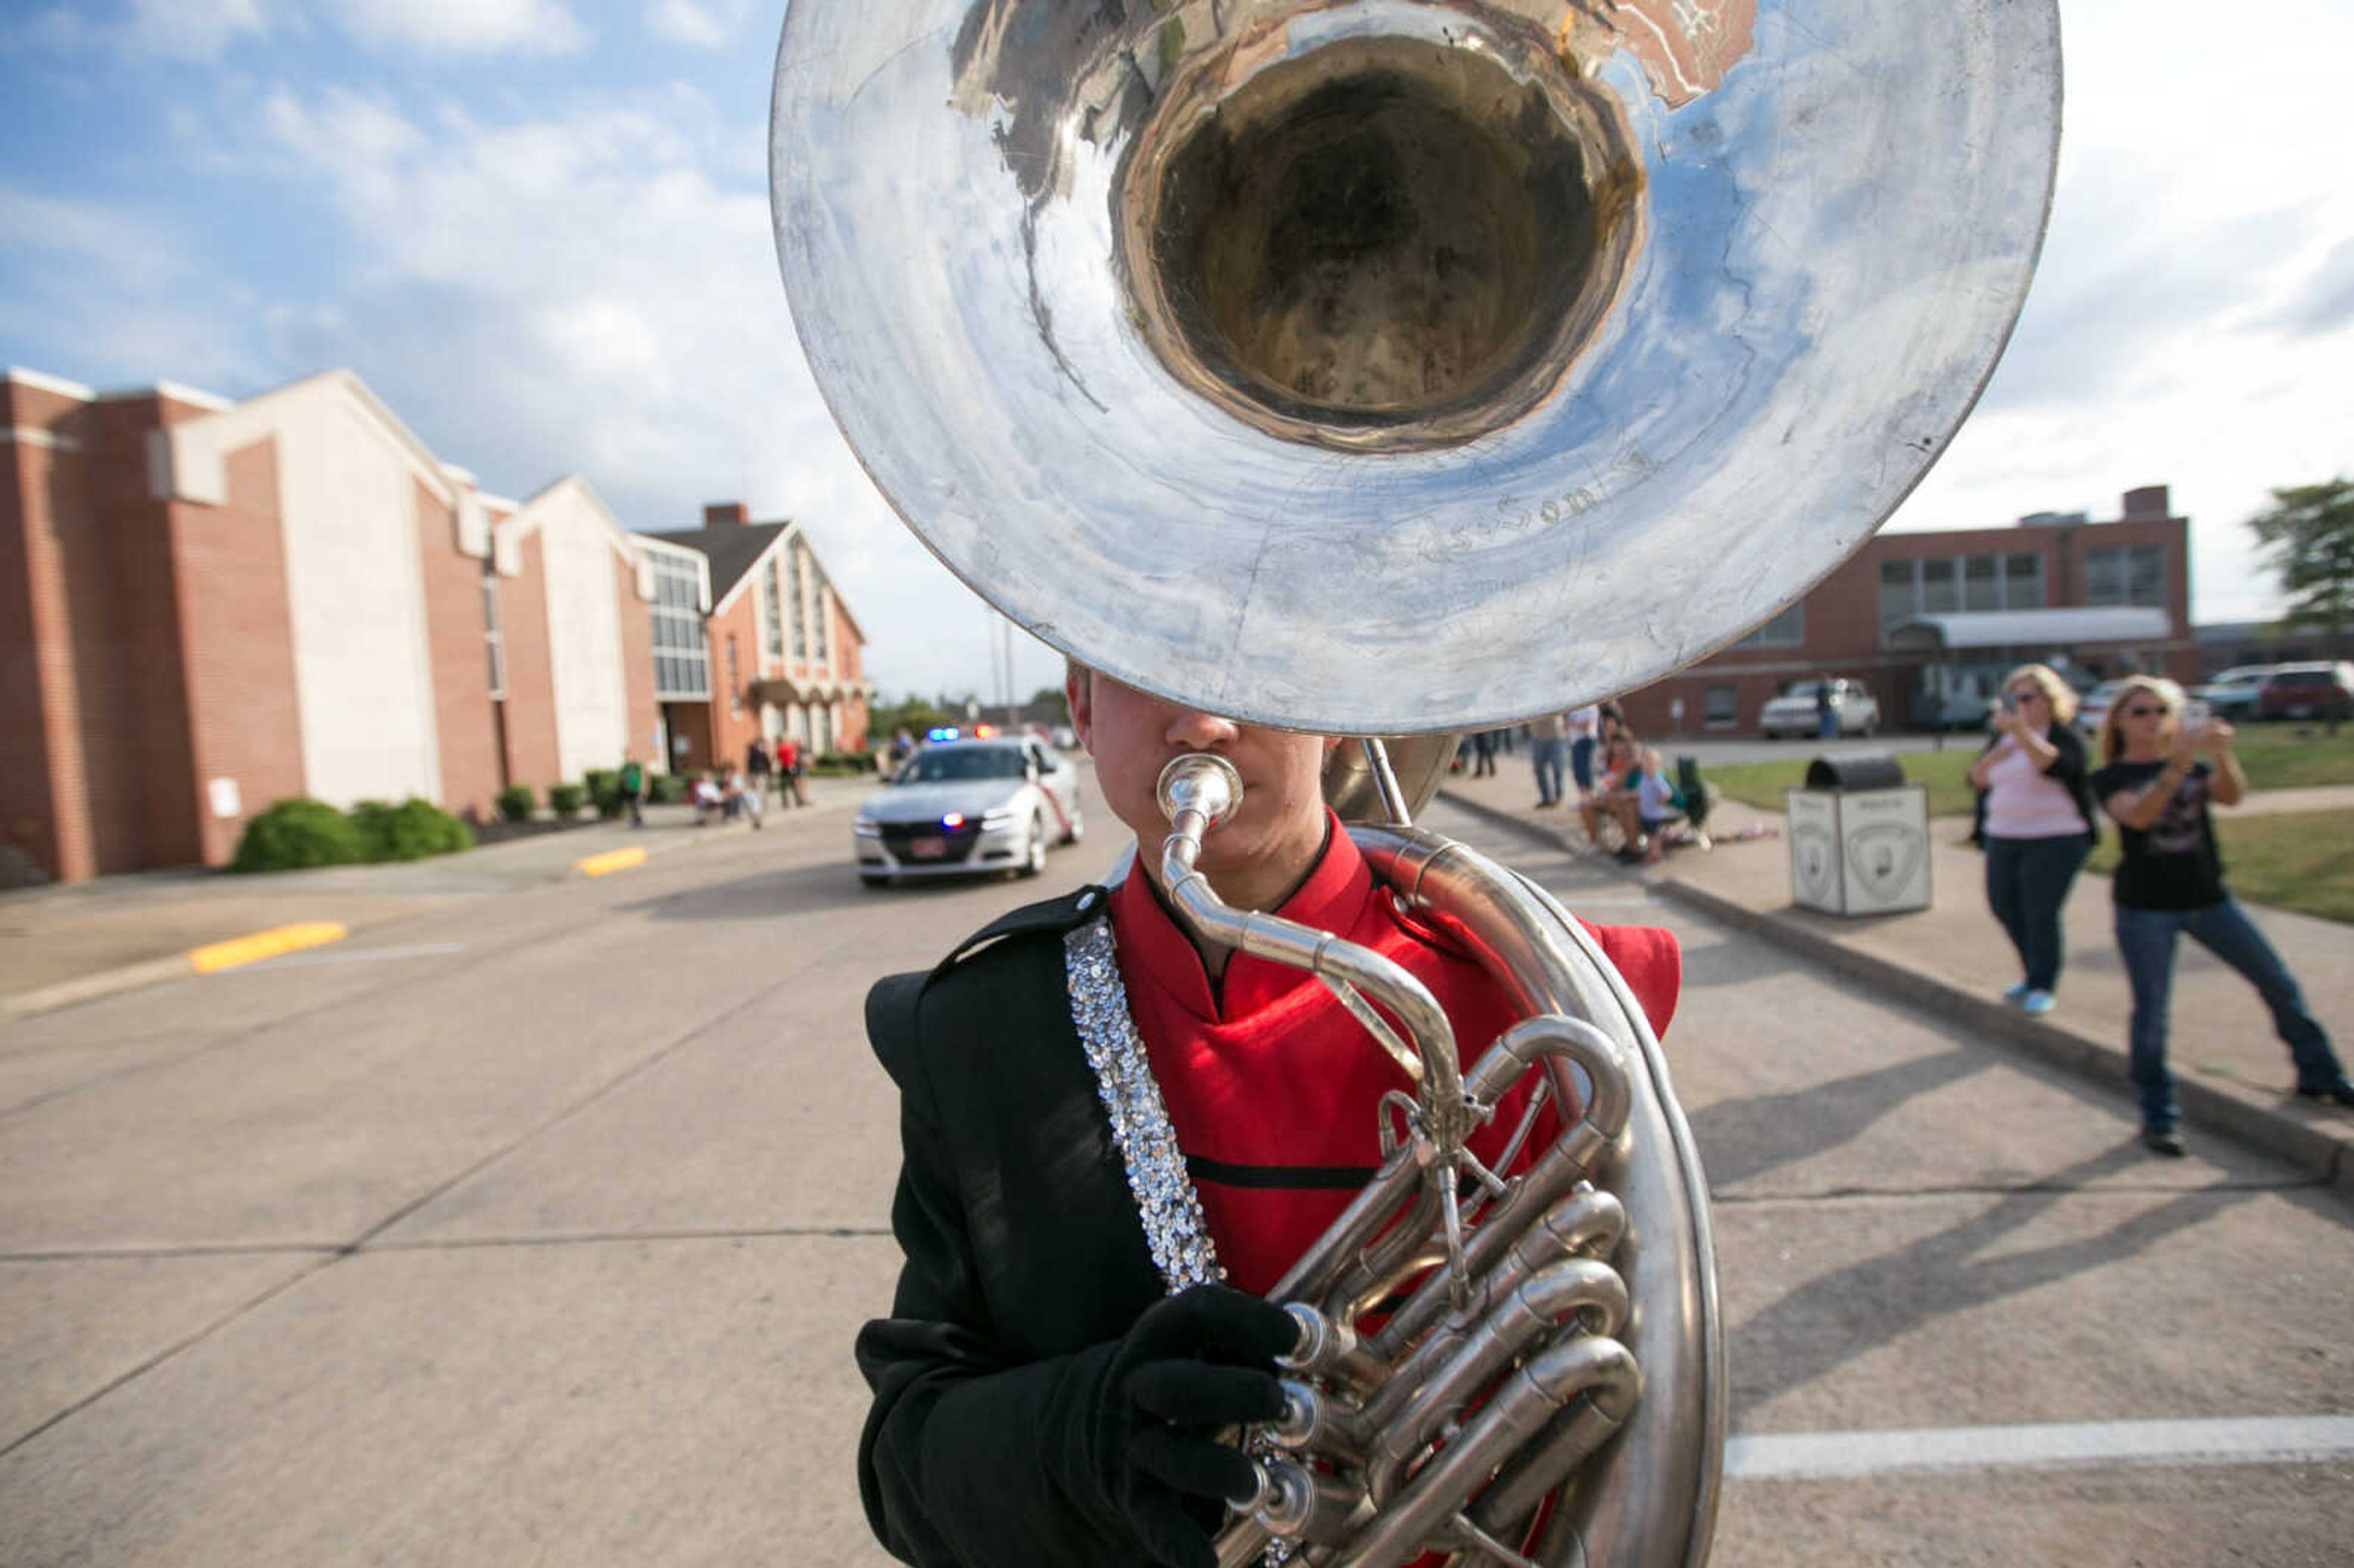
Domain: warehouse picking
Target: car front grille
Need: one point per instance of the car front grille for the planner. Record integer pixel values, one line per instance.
(901, 838)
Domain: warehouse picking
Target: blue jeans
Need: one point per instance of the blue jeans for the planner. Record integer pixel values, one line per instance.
(1827, 725)
(2027, 882)
(2146, 937)
(1581, 762)
(1551, 757)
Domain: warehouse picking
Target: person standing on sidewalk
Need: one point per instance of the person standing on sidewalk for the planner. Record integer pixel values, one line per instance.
(1584, 724)
(1826, 710)
(758, 762)
(1549, 751)
(2156, 784)
(788, 771)
(2039, 823)
(633, 790)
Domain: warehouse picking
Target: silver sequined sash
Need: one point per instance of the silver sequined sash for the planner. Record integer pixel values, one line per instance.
(1165, 1200)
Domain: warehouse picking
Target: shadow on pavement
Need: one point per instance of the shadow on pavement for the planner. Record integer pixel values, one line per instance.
(1885, 1298)
(1740, 1139)
(795, 891)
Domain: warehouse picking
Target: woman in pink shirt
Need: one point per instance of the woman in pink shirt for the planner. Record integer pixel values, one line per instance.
(2038, 823)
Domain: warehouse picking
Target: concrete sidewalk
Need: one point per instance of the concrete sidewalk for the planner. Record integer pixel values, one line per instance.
(69, 943)
(2234, 1075)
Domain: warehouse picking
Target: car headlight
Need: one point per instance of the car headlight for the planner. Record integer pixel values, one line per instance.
(867, 828)
(996, 817)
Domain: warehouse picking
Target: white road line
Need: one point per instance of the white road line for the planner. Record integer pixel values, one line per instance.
(359, 956)
(1815, 1456)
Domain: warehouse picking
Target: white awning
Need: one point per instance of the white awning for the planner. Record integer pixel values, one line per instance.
(2070, 627)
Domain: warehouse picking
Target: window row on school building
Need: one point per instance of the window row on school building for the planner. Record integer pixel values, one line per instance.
(1930, 622)
(208, 606)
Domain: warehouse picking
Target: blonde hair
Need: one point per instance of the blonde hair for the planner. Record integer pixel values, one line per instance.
(2113, 742)
(2058, 694)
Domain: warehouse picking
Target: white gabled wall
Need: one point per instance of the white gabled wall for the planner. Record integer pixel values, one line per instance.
(356, 592)
(577, 551)
(347, 477)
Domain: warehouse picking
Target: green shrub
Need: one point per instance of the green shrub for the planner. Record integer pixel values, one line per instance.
(665, 789)
(565, 800)
(516, 802)
(410, 831)
(300, 832)
(841, 764)
(604, 785)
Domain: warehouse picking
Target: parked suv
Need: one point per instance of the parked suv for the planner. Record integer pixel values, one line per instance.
(2233, 693)
(1793, 712)
(2308, 690)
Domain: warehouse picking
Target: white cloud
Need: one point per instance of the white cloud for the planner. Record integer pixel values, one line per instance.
(2193, 321)
(578, 294)
(704, 23)
(194, 30)
(466, 26)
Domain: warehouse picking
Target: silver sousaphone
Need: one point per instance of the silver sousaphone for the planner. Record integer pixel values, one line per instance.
(1396, 368)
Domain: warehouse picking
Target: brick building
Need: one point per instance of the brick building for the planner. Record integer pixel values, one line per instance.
(1930, 622)
(206, 606)
(777, 653)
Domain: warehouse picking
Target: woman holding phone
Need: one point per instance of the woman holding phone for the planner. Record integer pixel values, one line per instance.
(2038, 823)
(2159, 773)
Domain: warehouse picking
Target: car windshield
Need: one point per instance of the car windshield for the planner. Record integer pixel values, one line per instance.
(1803, 689)
(948, 764)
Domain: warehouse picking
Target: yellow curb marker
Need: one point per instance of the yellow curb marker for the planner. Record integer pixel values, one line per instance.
(610, 861)
(214, 957)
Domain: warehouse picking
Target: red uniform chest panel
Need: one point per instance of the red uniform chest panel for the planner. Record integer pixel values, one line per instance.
(1273, 1089)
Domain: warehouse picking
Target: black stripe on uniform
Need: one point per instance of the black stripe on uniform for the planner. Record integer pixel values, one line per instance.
(1326, 1178)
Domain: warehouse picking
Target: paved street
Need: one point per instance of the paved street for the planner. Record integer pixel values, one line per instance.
(534, 1227)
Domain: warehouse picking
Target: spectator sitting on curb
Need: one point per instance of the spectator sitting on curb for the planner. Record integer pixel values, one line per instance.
(1612, 796)
(1657, 805)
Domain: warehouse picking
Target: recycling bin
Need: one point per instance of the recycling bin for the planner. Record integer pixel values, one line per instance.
(1858, 837)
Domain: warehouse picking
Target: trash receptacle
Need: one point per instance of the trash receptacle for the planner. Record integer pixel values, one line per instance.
(1858, 837)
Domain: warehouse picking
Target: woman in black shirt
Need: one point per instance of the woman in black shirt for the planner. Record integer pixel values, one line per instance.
(2157, 786)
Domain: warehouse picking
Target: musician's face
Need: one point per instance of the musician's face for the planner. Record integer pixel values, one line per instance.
(1268, 845)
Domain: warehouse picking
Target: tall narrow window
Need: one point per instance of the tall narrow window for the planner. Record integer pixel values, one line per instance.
(493, 640)
(1980, 588)
(2104, 577)
(2146, 575)
(734, 678)
(1898, 601)
(821, 621)
(1941, 591)
(2023, 580)
(681, 647)
(772, 612)
(798, 602)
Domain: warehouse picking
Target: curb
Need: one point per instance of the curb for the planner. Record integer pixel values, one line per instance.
(250, 949)
(211, 957)
(611, 862)
(2241, 1114)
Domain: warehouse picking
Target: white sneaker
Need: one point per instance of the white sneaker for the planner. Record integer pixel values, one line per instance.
(2037, 1003)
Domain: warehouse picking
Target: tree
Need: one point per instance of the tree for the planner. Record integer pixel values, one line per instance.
(2308, 536)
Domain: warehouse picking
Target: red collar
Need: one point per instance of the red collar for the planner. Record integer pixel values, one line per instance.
(1153, 949)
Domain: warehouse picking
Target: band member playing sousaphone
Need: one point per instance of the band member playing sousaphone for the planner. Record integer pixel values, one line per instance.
(1370, 368)
(1042, 1397)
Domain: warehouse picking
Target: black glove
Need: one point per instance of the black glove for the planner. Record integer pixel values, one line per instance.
(1195, 1364)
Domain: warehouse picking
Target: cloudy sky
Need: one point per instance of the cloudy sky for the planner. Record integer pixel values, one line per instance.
(538, 228)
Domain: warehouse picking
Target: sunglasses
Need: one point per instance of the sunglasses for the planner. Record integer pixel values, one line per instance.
(2140, 710)
(2026, 694)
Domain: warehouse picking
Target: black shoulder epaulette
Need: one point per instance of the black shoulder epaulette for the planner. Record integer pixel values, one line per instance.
(1058, 916)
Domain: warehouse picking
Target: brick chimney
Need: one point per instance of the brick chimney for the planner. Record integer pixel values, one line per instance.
(2149, 501)
(722, 513)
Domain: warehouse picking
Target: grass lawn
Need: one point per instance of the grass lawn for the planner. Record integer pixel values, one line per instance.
(2288, 860)
(2275, 755)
